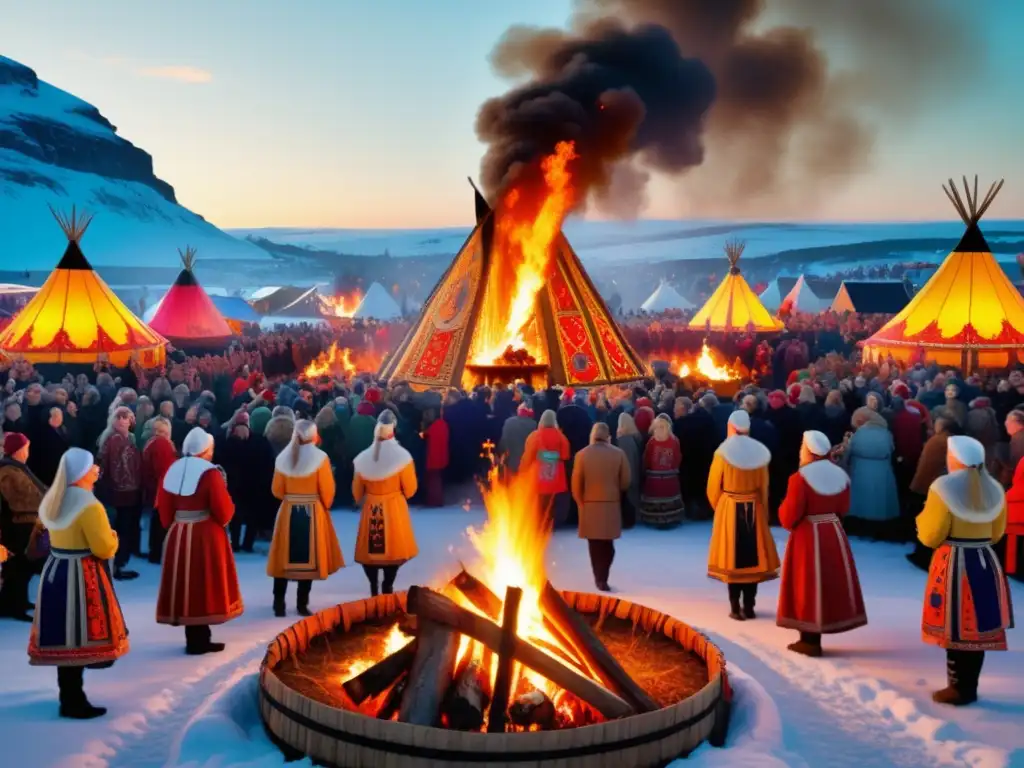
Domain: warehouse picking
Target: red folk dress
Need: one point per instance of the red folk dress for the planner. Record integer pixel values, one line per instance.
(1015, 518)
(820, 590)
(198, 584)
(661, 503)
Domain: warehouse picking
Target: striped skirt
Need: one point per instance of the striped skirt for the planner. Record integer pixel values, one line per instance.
(967, 600)
(78, 621)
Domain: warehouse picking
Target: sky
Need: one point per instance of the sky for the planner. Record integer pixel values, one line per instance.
(360, 113)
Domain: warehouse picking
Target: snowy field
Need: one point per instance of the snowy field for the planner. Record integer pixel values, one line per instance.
(865, 704)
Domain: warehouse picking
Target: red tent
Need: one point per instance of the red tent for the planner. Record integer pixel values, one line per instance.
(186, 316)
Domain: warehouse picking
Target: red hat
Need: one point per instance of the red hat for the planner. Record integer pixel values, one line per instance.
(777, 398)
(645, 402)
(372, 395)
(365, 408)
(794, 393)
(14, 442)
(901, 390)
(525, 410)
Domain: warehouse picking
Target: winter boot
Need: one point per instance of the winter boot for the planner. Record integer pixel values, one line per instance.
(73, 703)
(809, 644)
(735, 613)
(280, 588)
(302, 598)
(962, 679)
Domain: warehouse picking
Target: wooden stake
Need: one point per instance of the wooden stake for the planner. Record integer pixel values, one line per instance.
(467, 699)
(593, 651)
(431, 606)
(393, 700)
(381, 675)
(431, 674)
(506, 649)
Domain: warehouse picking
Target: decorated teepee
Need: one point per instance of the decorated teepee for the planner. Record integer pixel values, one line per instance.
(734, 307)
(968, 314)
(76, 318)
(665, 298)
(186, 315)
(571, 338)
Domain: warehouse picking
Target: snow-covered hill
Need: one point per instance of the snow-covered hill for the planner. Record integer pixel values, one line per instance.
(56, 149)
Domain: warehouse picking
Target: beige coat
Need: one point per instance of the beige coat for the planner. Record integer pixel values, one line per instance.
(600, 474)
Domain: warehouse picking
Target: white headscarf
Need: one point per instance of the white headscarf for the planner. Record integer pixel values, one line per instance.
(196, 442)
(183, 476)
(74, 465)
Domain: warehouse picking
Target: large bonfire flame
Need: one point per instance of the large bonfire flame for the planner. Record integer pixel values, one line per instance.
(705, 367)
(342, 306)
(334, 362)
(530, 221)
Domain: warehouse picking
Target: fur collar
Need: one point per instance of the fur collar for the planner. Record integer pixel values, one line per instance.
(393, 459)
(74, 502)
(183, 476)
(744, 452)
(310, 459)
(825, 478)
(954, 490)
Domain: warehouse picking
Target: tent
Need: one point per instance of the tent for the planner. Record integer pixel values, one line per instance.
(76, 318)
(733, 307)
(235, 308)
(377, 304)
(881, 297)
(186, 316)
(289, 300)
(664, 298)
(802, 299)
(771, 297)
(969, 314)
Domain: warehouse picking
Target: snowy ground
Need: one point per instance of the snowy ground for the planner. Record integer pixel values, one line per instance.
(865, 704)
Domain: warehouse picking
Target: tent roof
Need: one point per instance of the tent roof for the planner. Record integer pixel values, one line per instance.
(883, 297)
(13, 289)
(378, 304)
(801, 298)
(734, 307)
(235, 308)
(186, 316)
(665, 297)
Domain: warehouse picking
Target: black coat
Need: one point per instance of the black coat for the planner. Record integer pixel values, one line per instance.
(249, 466)
(575, 424)
(698, 440)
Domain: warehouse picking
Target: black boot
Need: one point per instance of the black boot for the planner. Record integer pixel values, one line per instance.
(123, 574)
(921, 557)
(735, 612)
(302, 598)
(372, 572)
(963, 669)
(809, 644)
(280, 588)
(749, 598)
(73, 703)
(197, 641)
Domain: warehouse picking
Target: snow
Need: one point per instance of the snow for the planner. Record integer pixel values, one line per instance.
(865, 704)
(665, 297)
(377, 304)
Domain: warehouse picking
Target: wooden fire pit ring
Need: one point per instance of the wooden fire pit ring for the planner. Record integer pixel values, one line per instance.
(343, 739)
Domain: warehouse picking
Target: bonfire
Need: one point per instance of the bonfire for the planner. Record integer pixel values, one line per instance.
(341, 306)
(705, 367)
(334, 362)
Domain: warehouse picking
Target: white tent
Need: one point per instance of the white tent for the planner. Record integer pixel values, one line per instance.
(378, 304)
(771, 296)
(665, 297)
(802, 299)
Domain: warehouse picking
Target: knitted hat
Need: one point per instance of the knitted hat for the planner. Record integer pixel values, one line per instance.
(14, 442)
(740, 421)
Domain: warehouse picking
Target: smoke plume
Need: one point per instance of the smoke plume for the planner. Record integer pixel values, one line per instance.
(740, 93)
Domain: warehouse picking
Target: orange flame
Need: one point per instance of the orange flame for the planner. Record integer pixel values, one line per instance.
(342, 306)
(708, 369)
(333, 362)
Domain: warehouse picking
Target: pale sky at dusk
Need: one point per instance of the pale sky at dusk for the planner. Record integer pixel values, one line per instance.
(359, 113)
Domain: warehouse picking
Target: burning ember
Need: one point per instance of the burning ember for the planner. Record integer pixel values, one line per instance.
(705, 367)
(530, 222)
(333, 362)
(341, 306)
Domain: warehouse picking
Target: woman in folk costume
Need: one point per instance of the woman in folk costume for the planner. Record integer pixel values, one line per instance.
(661, 503)
(967, 600)
(198, 584)
(385, 477)
(742, 551)
(546, 453)
(820, 592)
(78, 621)
(305, 546)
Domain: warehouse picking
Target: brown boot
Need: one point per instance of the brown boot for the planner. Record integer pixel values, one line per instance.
(807, 649)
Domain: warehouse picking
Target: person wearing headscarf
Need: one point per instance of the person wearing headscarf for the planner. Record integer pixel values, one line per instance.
(248, 462)
(280, 429)
(742, 552)
(198, 583)
(305, 546)
(157, 457)
(546, 453)
(514, 433)
(81, 541)
(600, 475)
(21, 492)
(384, 479)
(661, 503)
(820, 591)
(258, 419)
(874, 497)
(967, 599)
(121, 463)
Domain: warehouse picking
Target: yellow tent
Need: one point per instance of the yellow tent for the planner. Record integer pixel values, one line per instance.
(733, 307)
(76, 318)
(969, 314)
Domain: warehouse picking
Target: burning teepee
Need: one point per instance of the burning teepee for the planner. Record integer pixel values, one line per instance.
(968, 314)
(734, 307)
(515, 303)
(76, 318)
(186, 315)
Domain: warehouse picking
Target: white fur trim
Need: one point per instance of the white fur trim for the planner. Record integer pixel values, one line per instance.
(77, 463)
(966, 450)
(310, 459)
(744, 452)
(74, 502)
(183, 476)
(954, 490)
(392, 460)
(825, 478)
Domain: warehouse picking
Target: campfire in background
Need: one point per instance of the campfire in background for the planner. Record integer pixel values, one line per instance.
(341, 306)
(705, 367)
(342, 362)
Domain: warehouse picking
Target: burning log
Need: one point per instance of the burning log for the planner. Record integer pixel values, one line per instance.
(533, 708)
(593, 651)
(381, 675)
(432, 669)
(468, 698)
(393, 700)
(506, 649)
(431, 606)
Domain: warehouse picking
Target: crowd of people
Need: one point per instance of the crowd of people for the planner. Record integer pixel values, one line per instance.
(212, 454)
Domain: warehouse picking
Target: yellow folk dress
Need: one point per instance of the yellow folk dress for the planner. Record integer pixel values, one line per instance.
(742, 550)
(383, 486)
(305, 546)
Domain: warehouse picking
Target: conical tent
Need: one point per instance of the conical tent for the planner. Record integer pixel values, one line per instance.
(76, 318)
(572, 332)
(186, 316)
(968, 314)
(734, 307)
(664, 298)
(771, 297)
(377, 304)
(801, 299)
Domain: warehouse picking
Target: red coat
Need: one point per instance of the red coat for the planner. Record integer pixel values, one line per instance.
(661, 468)
(820, 591)
(157, 457)
(198, 584)
(546, 452)
(908, 436)
(437, 445)
(1015, 516)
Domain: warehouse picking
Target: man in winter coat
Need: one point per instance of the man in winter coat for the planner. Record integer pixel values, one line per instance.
(514, 432)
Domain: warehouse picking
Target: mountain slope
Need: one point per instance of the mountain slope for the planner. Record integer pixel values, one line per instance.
(56, 149)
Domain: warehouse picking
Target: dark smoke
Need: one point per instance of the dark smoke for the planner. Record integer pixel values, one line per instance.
(782, 126)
